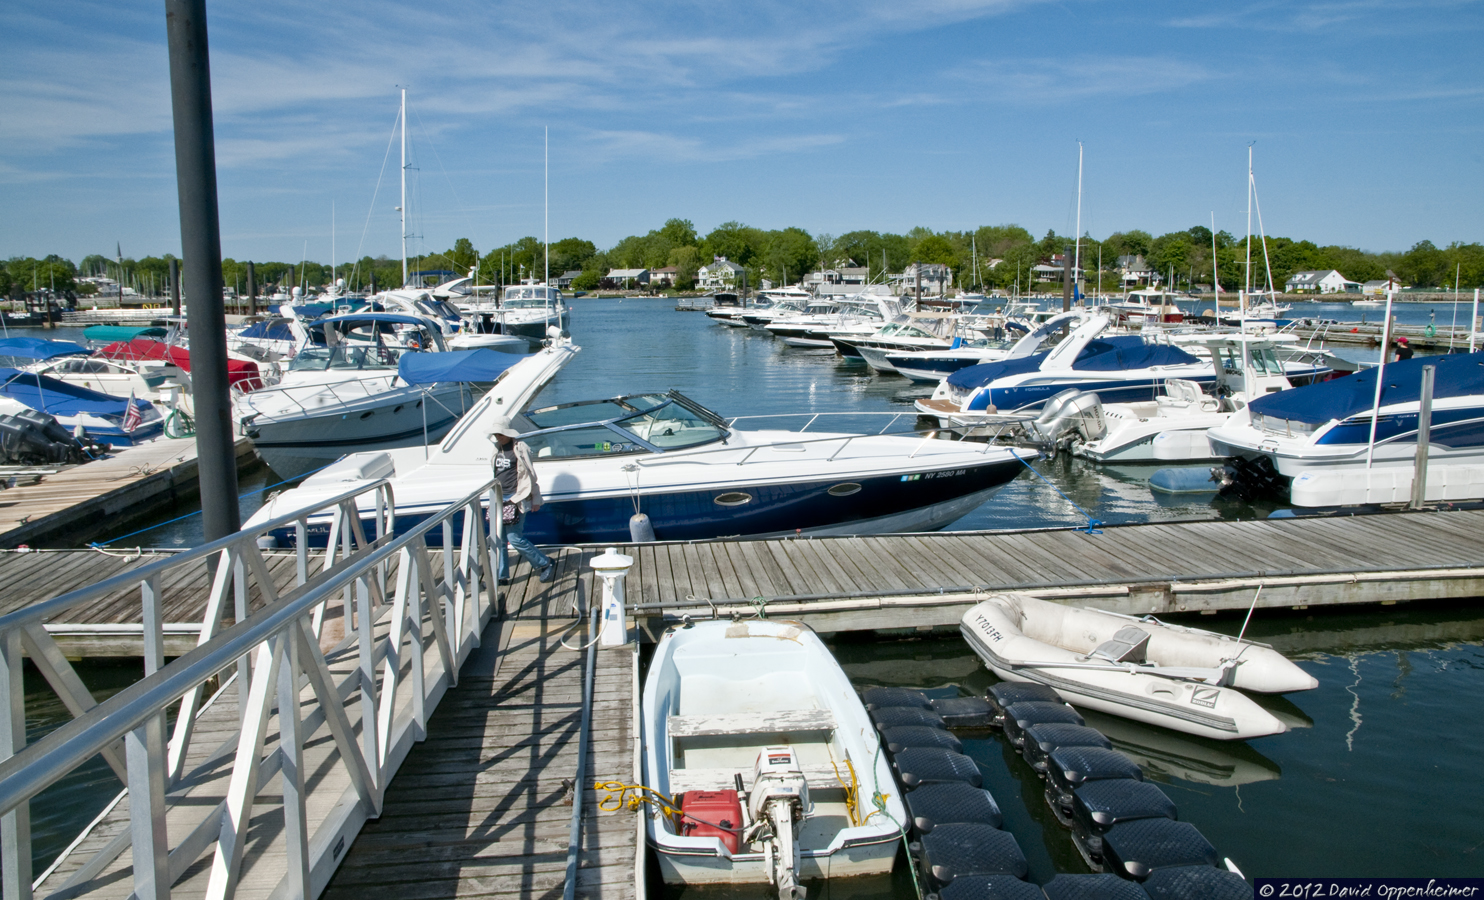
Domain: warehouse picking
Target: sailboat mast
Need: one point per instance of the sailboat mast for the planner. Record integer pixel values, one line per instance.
(1215, 267)
(1077, 254)
(403, 207)
(546, 235)
(1247, 278)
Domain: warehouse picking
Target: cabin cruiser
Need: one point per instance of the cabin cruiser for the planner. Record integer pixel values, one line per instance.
(775, 303)
(366, 381)
(1318, 439)
(857, 315)
(907, 332)
(1172, 426)
(759, 740)
(529, 310)
(1120, 368)
(932, 366)
(688, 470)
(1143, 669)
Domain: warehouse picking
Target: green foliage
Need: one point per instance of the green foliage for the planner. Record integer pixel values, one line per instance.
(936, 249)
(687, 263)
(735, 241)
(788, 255)
(587, 281)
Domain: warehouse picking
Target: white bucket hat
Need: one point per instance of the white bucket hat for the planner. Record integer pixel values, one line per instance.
(503, 425)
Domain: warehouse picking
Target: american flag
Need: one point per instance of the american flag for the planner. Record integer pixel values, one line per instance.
(132, 417)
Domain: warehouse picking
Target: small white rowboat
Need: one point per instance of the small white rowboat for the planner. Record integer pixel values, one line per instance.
(1139, 668)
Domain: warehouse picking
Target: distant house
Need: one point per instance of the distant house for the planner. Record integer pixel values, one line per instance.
(1052, 270)
(934, 278)
(663, 278)
(626, 278)
(1326, 281)
(564, 280)
(722, 273)
(1134, 270)
(837, 281)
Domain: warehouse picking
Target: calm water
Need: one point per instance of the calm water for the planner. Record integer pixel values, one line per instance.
(1378, 777)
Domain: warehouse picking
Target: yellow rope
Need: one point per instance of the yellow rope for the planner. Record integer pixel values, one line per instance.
(623, 799)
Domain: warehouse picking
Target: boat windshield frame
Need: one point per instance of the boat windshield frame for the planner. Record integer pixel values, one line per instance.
(629, 441)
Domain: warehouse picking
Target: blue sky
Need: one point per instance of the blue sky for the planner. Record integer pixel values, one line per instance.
(1368, 119)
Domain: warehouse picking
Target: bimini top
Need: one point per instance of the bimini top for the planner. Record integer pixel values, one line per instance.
(1458, 375)
(481, 365)
(119, 332)
(271, 330)
(1114, 354)
(36, 348)
(60, 398)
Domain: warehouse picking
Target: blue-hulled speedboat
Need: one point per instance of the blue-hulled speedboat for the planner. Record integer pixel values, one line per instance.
(1320, 436)
(1119, 369)
(104, 417)
(694, 474)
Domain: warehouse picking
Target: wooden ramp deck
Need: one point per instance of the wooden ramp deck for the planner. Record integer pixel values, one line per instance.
(81, 502)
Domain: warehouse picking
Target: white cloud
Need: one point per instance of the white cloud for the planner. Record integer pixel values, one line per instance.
(1062, 80)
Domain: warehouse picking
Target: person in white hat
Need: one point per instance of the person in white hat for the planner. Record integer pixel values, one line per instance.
(512, 464)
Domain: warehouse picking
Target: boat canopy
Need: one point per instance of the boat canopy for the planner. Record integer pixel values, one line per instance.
(61, 398)
(480, 365)
(238, 370)
(971, 377)
(36, 348)
(1458, 375)
(120, 332)
(271, 330)
(1116, 354)
(364, 317)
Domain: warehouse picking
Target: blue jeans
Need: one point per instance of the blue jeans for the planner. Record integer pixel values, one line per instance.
(515, 536)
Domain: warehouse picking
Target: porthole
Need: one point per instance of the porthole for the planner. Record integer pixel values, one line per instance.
(368, 414)
(733, 498)
(845, 490)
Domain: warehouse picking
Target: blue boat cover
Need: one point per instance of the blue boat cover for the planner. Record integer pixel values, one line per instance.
(481, 365)
(111, 333)
(60, 398)
(1117, 354)
(36, 348)
(271, 330)
(1458, 375)
(1113, 354)
(971, 377)
(312, 310)
(388, 318)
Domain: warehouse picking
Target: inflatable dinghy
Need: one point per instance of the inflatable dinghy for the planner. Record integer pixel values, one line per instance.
(1180, 678)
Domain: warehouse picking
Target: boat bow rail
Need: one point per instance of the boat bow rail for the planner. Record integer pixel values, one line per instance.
(182, 802)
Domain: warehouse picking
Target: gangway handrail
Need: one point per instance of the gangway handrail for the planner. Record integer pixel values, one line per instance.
(283, 641)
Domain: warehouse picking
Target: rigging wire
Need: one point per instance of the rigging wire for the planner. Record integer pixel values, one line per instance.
(389, 141)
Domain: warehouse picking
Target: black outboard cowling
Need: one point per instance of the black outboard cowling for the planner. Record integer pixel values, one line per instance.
(30, 438)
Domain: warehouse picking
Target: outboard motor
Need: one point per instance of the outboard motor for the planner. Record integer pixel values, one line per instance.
(779, 799)
(30, 437)
(1067, 416)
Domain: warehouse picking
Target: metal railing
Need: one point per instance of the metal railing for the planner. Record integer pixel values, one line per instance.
(418, 633)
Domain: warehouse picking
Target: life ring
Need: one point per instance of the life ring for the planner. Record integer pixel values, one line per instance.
(1430, 330)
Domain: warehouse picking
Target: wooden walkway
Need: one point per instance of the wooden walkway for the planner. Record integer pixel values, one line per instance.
(80, 503)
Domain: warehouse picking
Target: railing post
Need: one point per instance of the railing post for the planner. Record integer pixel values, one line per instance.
(291, 751)
(15, 827)
(144, 748)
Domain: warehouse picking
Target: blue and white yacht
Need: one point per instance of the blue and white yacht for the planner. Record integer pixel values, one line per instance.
(1320, 438)
(1122, 368)
(694, 474)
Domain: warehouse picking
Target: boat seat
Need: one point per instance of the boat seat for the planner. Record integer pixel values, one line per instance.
(704, 779)
(1128, 644)
(778, 721)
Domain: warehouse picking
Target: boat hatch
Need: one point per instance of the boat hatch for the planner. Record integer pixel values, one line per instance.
(654, 423)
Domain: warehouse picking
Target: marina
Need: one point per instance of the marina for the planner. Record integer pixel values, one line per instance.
(484, 808)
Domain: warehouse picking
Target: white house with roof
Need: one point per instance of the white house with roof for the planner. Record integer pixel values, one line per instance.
(1134, 270)
(1380, 287)
(837, 281)
(1325, 281)
(627, 278)
(722, 273)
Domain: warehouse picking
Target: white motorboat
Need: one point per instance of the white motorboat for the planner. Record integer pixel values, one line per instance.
(1318, 439)
(1139, 668)
(529, 310)
(692, 473)
(908, 332)
(932, 366)
(104, 417)
(757, 735)
(1172, 427)
(362, 387)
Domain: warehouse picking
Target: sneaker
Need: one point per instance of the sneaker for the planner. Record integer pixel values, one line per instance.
(547, 573)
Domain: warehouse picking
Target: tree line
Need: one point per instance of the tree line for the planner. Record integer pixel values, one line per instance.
(992, 257)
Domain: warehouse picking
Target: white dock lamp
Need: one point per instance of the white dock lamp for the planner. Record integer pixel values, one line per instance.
(612, 566)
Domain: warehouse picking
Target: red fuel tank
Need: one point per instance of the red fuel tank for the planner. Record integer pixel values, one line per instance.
(716, 811)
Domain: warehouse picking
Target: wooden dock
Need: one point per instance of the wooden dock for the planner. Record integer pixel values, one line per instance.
(79, 503)
(482, 805)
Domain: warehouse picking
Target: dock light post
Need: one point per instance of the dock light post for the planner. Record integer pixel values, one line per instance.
(612, 567)
(201, 246)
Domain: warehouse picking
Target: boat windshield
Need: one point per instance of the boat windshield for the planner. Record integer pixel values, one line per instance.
(530, 297)
(367, 345)
(1264, 360)
(639, 423)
